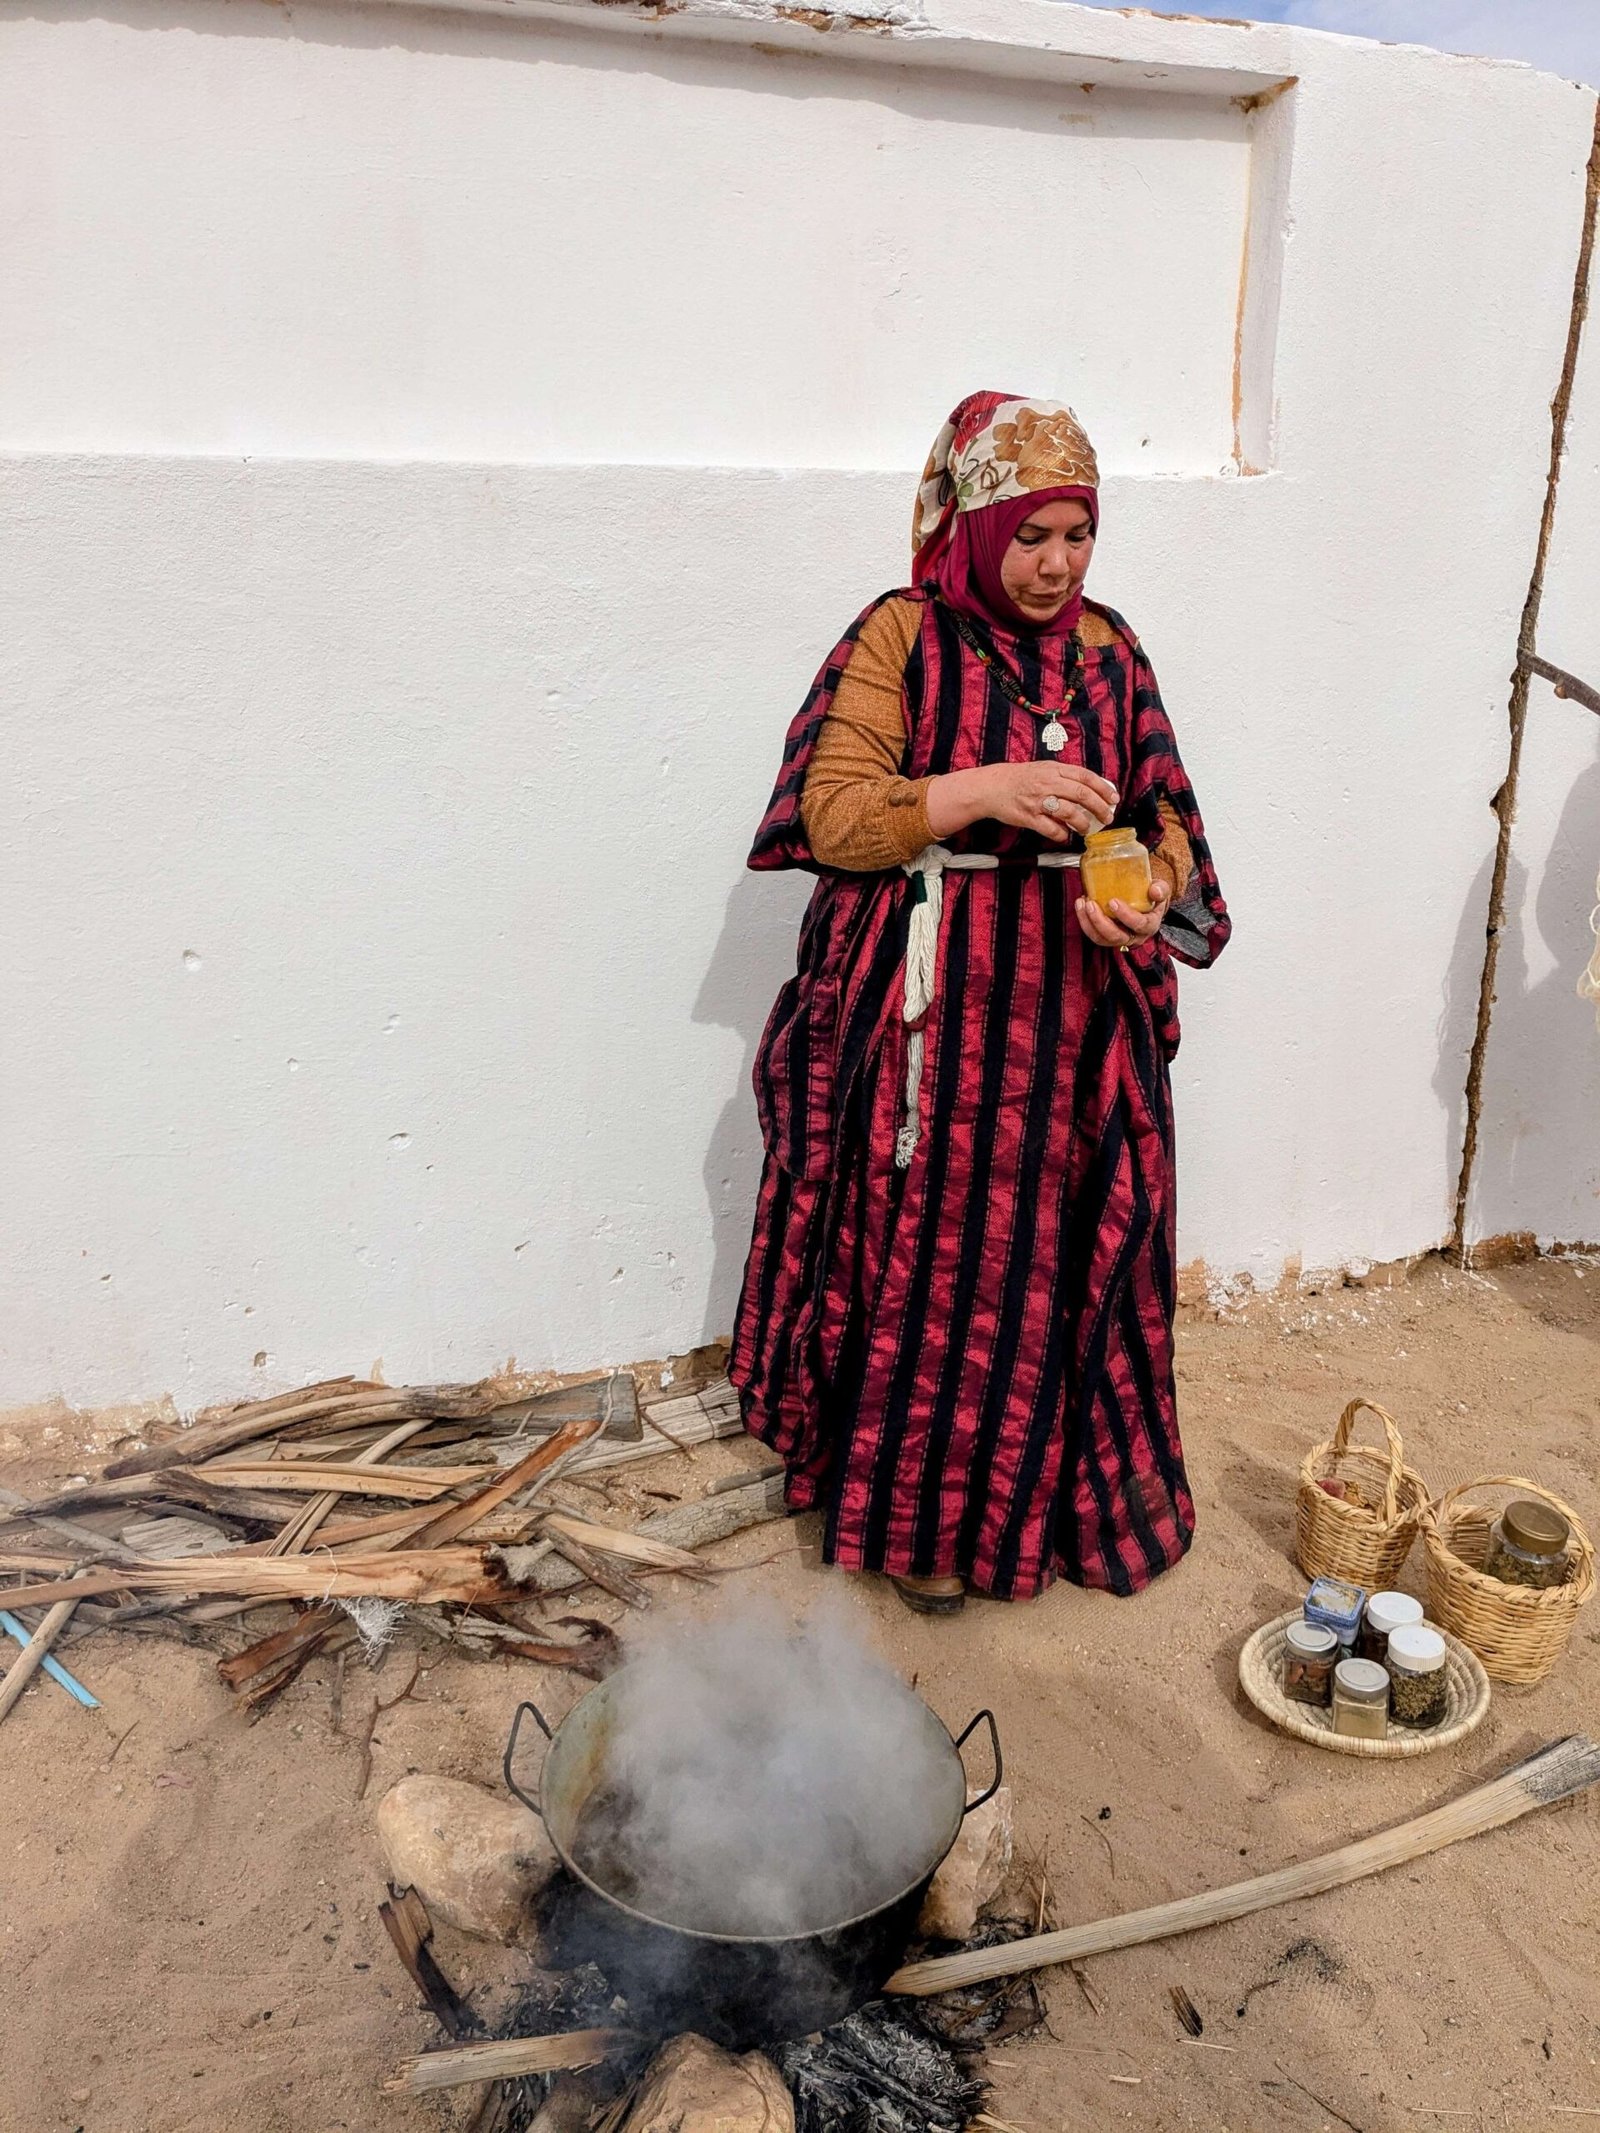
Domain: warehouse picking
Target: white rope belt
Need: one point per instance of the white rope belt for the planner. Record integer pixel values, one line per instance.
(927, 872)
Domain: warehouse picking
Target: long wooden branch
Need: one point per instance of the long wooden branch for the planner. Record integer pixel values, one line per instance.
(32, 1655)
(335, 1409)
(408, 1484)
(1565, 684)
(293, 1537)
(336, 1405)
(426, 1576)
(633, 1547)
(1557, 1772)
(278, 1403)
(685, 1526)
(542, 1464)
(83, 1536)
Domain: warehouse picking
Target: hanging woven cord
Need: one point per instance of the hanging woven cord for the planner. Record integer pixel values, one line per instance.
(922, 962)
(927, 873)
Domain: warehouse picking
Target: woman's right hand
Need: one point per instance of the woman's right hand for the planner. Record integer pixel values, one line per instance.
(1016, 793)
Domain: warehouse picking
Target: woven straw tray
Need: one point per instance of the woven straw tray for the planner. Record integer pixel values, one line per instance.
(1261, 1672)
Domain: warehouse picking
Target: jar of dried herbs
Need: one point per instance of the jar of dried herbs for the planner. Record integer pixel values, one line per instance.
(1419, 1687)
(1361, 1699)
(1385, 1611)
(1309, 1654)
(1528, 1545)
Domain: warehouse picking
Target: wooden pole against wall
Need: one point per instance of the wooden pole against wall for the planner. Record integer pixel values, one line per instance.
(1528, 664)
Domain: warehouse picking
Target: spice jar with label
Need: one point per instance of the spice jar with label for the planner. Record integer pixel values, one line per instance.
(1309, 1654)
(1384, 1612)
(1332, 1604)
(1361, 1699)
(1528, 1545)
(1419, 1687)
(1115, 864)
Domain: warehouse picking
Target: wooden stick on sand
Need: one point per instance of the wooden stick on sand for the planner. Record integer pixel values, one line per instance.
(1555, 1773)
(31, 1657)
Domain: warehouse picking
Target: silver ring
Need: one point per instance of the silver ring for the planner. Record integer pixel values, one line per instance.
(1050, 804)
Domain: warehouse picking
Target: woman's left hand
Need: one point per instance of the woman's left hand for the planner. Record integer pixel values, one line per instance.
(1120, 926)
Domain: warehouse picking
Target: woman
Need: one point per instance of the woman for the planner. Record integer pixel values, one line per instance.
(956, 1320)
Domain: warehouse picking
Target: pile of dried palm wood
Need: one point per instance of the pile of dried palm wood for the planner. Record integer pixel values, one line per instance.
(354, 1503)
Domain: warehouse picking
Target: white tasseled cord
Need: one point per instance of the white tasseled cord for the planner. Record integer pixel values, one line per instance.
(922, 960)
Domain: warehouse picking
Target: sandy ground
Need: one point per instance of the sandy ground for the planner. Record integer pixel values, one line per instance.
(190, 1937)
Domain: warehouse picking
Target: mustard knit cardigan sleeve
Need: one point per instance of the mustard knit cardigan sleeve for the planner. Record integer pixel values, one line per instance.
(860, 813)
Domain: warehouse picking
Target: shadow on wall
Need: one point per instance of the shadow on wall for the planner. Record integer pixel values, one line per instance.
(754, 954)
(1541, 1089)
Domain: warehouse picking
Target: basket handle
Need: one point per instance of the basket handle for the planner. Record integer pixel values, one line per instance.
(1527, 1488)
(1341, 1442)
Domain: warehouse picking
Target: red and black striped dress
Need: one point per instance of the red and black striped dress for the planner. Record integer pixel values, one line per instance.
(967, 1364)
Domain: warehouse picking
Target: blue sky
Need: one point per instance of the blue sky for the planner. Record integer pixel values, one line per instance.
(1562, 36)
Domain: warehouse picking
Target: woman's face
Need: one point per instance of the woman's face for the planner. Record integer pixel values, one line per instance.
(1048, 558)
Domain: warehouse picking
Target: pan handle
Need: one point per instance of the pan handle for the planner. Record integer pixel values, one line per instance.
(983, 1799)
(511, 1752)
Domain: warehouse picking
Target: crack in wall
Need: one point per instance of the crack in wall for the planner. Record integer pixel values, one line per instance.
(1504, 802)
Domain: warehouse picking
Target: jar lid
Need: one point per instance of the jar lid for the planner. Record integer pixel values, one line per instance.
(1362, 1679)
(1537, 1527)
(1309, 1640)
(1389, 1611)
(1416, 1649)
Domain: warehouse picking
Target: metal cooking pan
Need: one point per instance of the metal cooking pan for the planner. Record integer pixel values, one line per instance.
(739, 1990)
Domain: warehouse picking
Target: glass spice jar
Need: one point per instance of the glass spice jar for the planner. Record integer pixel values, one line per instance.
(1385, 1612)
(1419, 1687)
(1528, 1545)
(1309, 1653)
(1361, 1699)
(1115, 864)
(1332, 1604)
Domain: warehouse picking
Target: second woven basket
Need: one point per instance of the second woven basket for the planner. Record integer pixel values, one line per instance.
(1517, 1632)
(1364, 1537)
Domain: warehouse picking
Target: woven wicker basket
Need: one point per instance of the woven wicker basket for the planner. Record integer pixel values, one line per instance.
(1365, 1543)
(1518, 1633)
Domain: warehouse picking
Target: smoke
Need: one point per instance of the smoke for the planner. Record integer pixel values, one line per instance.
(767, 1780)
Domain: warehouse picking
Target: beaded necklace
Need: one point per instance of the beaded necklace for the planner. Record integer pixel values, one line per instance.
(1054, 735)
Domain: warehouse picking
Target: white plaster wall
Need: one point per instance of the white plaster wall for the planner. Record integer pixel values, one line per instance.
(382, 973)
(483, 239)
(1539, 1163)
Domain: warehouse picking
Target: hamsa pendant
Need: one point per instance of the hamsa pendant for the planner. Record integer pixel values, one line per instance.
(1054, 736)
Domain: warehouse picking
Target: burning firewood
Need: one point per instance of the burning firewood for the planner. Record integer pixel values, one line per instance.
(494, 2061)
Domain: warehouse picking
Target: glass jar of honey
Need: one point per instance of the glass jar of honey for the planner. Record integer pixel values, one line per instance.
(1115, 865)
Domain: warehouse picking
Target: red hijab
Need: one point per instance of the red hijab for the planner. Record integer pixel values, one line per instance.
(996, 461)
(965, 564)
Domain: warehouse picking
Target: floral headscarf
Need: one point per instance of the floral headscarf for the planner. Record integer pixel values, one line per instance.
(996, 450)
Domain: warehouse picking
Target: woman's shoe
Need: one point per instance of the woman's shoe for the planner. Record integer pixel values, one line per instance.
(932, 1596)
